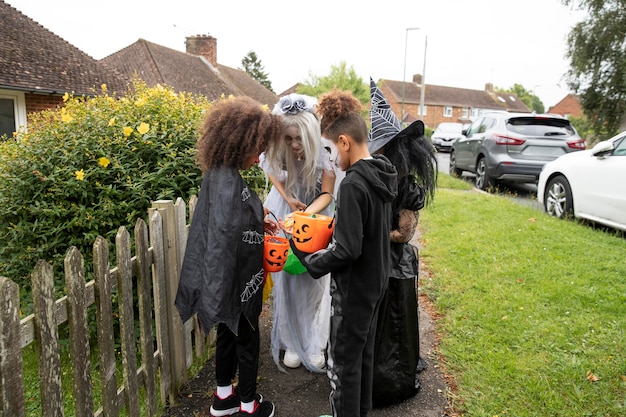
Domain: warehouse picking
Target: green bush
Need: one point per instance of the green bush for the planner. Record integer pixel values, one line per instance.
(88, 168)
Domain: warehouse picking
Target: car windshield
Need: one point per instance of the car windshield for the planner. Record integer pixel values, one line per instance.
(450, 127)
(538, 126)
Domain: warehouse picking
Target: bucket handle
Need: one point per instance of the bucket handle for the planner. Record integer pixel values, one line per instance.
(275, 218)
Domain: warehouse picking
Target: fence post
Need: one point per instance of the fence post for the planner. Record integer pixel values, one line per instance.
(47, 337)
(11, 371)
(160, 306)
(79, 332)
(104, 320)
(127, 320)
(175, 326)
(142, 255)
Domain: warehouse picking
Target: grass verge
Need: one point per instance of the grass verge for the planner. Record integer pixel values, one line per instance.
(533, 309)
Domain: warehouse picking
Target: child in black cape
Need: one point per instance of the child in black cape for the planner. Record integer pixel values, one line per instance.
(222, 274)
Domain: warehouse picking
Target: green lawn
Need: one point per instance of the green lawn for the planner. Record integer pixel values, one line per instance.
(533, 308)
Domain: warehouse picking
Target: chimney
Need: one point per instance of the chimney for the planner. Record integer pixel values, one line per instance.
(417, 79)
(204, 46)
(489, 88)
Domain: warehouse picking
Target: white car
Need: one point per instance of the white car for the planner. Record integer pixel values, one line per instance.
(445, 134)
(588, 184)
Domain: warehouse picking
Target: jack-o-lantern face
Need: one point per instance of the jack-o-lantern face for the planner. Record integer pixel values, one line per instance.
(303, 233)
(275, 253)
(312, 232)
(276, 257)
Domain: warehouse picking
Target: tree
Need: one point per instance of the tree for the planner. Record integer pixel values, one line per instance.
(597, 54)
(252, 66)
(340, 77)
(528, 97)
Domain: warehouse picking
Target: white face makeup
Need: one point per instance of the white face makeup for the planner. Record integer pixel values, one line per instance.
(293, 140)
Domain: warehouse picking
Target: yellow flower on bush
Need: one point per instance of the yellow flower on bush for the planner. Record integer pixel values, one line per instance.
(112, 121)
(65, 116)
(143, 128)
(80, 175)
(104, 161)
(66, 97)
(127, 130)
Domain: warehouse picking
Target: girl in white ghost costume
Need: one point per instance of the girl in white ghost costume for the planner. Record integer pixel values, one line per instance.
(303, 179)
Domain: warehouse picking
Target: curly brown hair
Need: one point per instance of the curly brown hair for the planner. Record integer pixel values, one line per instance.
(234, 130)
(341, 114)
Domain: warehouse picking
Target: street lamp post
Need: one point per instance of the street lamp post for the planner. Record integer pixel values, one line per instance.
(406, 38)
(423, 88)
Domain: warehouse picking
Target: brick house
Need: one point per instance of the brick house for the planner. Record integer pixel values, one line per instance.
(445, 104)
(38, 67)
(568, 107)
(194, 71)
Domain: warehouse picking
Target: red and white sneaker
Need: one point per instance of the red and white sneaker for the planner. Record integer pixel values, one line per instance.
(265, 409)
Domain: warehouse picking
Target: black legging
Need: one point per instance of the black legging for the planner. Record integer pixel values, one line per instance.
(242, 350)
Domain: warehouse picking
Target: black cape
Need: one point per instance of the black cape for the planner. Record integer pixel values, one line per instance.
(222, 272)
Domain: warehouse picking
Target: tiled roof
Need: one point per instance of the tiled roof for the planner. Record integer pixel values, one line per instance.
(290, 90)
(437, 95)
(34, 59)
(157, 64)
(512, 102)
(248, 85)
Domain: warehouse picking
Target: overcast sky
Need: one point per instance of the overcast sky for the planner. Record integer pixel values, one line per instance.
(469, 42)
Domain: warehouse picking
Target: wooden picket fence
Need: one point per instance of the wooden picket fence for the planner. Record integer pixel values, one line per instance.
(165, 346)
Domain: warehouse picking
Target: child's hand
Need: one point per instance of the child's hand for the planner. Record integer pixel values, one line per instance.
(271, 227)
(287, 224)
(295, 204)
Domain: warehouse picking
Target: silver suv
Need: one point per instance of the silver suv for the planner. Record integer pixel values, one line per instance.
(512, 147)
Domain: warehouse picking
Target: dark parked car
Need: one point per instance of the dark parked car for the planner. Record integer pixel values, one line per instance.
(445, 134)
(512, 147)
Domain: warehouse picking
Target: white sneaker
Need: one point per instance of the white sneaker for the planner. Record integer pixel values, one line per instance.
(318, 360)
(291, 359)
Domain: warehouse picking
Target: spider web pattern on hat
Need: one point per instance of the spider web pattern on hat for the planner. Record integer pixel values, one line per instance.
(384, 123)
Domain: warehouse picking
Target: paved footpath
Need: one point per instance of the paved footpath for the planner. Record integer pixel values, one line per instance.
(301, 393)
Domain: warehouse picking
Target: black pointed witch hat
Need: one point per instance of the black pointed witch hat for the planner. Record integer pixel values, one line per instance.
(385, 126)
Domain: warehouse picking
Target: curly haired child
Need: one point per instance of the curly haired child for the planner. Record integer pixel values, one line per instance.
(222, 274)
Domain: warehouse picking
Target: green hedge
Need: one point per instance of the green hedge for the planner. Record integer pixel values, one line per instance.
(89, 167)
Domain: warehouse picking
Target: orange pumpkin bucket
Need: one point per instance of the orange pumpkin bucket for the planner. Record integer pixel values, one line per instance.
(312, 232)
(275, 250)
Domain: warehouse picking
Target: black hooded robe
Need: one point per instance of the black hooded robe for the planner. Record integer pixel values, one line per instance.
(359, 260)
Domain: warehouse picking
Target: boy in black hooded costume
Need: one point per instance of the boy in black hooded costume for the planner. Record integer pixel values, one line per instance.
(358, 256)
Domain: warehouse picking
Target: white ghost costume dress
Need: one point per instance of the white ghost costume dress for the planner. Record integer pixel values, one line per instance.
(301, 303)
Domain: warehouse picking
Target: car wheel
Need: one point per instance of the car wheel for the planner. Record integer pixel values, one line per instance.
(483, 179)
(454, 171)
(558, 200)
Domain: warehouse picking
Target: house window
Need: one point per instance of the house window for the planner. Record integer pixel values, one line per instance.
(12, 112)
(447, 111)
(419, 110)
(475, 113)
(465, 113)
